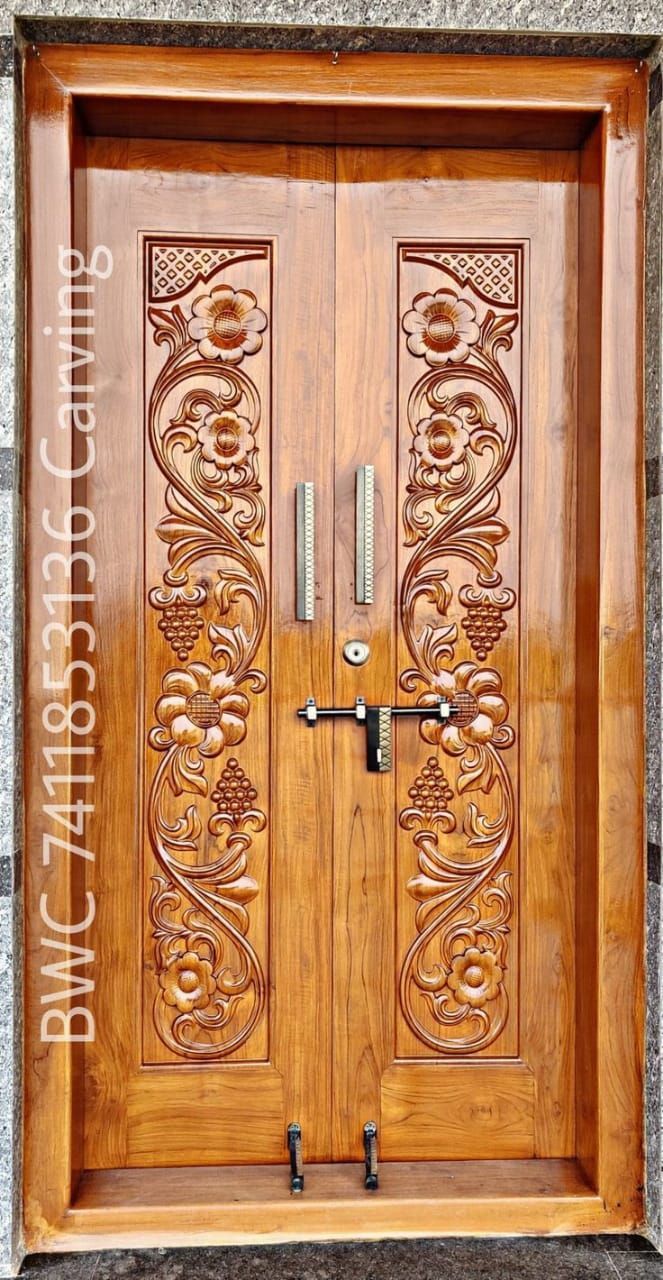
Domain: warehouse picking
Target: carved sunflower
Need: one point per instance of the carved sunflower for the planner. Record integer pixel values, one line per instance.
(227, 324)
(188, 982)
(200, 708)
(482, 709)
(441, 441)
(441, 327)
(475, 977)
(226, 439)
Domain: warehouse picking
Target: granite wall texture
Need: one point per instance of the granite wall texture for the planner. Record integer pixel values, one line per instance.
(577, 27)
(654, 475)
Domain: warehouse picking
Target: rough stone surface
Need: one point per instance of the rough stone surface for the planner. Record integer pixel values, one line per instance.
(577, 1258)
(653, 1087)
(10, 1011)
(653, 670)
(572, 16)
(347, 39)
(8, 1117)
(654, 588)
(6, 677)
(6, 264)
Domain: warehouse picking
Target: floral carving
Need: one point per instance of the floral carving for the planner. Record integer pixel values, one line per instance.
(187, 982)
(441, 441)
(225, 439)
(481, 709)
(204, 420)
(199, 708)
(464, 906)
(221, 444)
(226, 324)
(441, 327)
(463, 422)
(475, 977)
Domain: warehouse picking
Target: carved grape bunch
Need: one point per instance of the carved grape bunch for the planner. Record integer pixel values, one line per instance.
(483, 625)
(430, 792)
(181, 625)
(234, 793)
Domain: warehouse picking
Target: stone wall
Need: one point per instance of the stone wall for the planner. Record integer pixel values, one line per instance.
(603, 28)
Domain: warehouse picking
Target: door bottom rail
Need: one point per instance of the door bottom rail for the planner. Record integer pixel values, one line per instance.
(246, 1204)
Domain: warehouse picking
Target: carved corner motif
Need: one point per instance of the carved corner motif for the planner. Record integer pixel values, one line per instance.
(462, 417)
(175, 265)
(203, 421)
(494, 274)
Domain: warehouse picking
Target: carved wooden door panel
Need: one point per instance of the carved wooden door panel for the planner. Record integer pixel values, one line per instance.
(213, 871)
(454, 880)
(280, 934)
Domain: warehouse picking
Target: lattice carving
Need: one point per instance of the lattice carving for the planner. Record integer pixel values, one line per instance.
(493, 274)
(173, 267)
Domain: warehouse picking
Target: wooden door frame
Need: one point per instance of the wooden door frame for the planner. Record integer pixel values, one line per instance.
(599, 108)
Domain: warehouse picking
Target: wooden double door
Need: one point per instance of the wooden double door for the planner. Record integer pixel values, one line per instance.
(281, 934)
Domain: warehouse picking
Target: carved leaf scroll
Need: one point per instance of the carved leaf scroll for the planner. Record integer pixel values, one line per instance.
(462, 420)
(204, 421)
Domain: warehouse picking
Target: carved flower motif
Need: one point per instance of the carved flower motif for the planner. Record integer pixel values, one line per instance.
(482, 709)
(188, 982)
(441, 327)
(475, 977)
(227, 324)
(226, 439)
(201, 708)
(441, 441)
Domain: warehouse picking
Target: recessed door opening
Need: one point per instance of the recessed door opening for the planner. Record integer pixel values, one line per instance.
(350, 726)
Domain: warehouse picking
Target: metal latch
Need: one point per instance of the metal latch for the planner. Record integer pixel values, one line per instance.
(378, 724)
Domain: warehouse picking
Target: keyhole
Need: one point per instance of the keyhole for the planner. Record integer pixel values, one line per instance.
(356, 652)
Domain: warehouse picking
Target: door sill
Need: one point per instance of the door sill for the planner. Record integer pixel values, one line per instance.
(141, 1208)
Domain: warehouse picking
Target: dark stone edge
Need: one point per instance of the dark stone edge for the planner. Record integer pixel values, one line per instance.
(6, 56)
(6, 469)
(396, 1257)
(358, 39)
(653, 474)
(6, 877)
(653, 862)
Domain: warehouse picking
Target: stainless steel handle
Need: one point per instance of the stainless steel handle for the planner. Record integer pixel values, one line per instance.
(305, 539)
(364, 534)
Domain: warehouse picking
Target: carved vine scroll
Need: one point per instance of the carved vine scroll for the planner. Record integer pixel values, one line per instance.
(203, 419)
(462, 420)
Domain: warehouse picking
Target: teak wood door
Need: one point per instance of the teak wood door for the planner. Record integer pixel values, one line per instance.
(281, 935)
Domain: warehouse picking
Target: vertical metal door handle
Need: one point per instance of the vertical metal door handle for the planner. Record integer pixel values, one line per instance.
(296, 1161)
(364, 534)
(305, 539)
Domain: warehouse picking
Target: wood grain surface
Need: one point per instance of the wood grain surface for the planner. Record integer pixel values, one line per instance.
(453, 948)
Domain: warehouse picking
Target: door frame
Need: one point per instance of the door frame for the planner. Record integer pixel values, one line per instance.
(597, 107)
